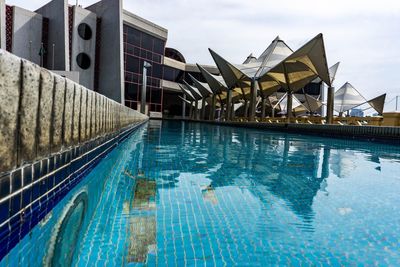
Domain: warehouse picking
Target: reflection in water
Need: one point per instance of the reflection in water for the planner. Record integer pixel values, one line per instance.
(208, 193)
(288, 167)
(142, 222)
(231, 196)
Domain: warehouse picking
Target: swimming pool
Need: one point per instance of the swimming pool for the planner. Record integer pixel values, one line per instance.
(178, 193)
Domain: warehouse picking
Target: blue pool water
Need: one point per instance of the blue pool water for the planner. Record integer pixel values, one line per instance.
(176, 194)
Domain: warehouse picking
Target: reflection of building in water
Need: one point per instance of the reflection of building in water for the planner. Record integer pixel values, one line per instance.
(209, 194)
(342, 163)
(142, 239)
(142, 223)
(145, 192)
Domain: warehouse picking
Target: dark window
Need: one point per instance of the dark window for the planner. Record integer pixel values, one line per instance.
(147, 41)
(132, 64)
(84, 31)
(131, 91)
(155, 95)
(140, 47)
(136, 51)
(83, 61)
(312, 88)
(169, 74)
(158, 46)
(133, 36)
(128, 77)
(157, 70)
(129, 49)
(156, 58)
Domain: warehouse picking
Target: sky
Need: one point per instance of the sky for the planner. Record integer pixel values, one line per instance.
(363, 35)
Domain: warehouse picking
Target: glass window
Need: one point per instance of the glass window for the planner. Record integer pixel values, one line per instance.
(128, 77)
(147, 41)
(132, 64)
(158, 46)
(136, 51)
(131, 91)
(312, 88)
(133, 37)
(157, 58)
(169, 74)
(157, 70)
(155, 95)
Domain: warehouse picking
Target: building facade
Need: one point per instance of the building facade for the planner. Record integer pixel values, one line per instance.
(103, 47)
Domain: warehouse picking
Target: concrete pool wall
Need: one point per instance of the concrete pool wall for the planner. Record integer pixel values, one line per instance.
(52, 132)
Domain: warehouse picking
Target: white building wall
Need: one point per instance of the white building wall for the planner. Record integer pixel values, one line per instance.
(2, 24)
(27, 34)
(111, 76)
(79, 45)
(57, 13)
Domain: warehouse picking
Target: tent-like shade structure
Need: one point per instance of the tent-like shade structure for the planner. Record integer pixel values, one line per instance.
(241, 75)
(194, 91)
(347, 97)
(378, 103)
(312, 104)
(278, 67)
(300, 68)
(332, 73)
(296, 104)
(187, 93)
(203, 88)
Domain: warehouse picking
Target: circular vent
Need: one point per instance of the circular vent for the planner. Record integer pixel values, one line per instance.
(83, 61)
(84, 31)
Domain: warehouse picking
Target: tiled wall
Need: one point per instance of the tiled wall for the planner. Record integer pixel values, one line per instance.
(52, 132)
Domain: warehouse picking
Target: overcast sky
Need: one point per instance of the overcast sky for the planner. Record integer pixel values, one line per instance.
(363, 35)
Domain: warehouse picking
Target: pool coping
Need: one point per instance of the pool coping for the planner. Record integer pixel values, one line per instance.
(379, 134)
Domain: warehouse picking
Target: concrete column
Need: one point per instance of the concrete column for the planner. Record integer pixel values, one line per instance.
(246, 108)
(289, 105)
(263, 107)
(191, 110)
(212, 109)
(253, 99)
(228, 105)
(184, 107)
(222, 111)
(329, 108)
(203, 109)
(196, 110)
(232, 111)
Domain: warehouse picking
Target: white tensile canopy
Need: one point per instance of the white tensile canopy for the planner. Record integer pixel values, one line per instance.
(378, 103)
(300, 68)
(347, 97)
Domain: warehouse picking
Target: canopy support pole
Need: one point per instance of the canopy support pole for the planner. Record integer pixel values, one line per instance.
(191, 110)
(228, 105)
(263, 107)
(184, 107)
(203, 109)
(246, 108)
(232, 111)
(289, 105)
(253, 99)
(212, 109)
(329, 107)
(196, 110)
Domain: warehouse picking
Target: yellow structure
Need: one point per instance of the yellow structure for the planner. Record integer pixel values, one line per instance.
(391, 119)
